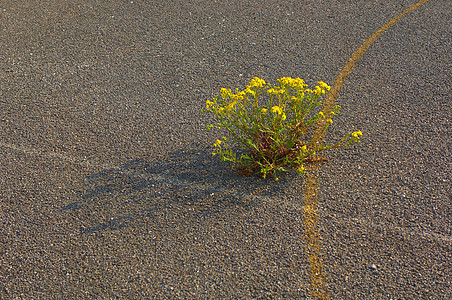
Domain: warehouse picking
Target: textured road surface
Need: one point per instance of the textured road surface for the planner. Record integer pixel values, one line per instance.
(108, 189)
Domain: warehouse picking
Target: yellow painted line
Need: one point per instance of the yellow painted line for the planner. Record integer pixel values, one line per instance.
(317, 278)
(339, 82)
(318, 284)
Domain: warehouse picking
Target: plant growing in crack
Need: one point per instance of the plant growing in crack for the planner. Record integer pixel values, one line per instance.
(272, 124)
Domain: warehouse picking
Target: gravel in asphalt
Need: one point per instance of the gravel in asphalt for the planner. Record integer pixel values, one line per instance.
(108, 188)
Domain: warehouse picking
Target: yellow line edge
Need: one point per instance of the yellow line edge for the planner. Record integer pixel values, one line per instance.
(310, 218)
(339, 82)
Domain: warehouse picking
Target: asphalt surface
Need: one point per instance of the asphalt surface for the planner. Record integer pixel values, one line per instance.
(108, 189)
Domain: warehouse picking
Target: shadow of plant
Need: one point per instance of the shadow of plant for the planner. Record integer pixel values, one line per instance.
(188, 180)
(191, 216)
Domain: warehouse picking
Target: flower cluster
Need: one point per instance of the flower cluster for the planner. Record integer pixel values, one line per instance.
(273, 132)
(357, 134)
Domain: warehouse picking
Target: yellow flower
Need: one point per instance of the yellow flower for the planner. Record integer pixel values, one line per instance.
(321, 114)
(319, 91)
(276, 109)
(257, 82)
(275, 92)
(329, 121)
(236, 97)
(225, 93)
(324, 85)
(303, 148)
(230, 105)
(357, 134)
(301, 169)
(217, 143)
(248, 90)
(264, 111)
(298, 83)
(285, 81)
(209, 103)
(220, 110)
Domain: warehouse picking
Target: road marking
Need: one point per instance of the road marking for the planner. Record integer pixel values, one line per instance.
(317, 276)
(311, 198)
(339, 82)
(310, 208)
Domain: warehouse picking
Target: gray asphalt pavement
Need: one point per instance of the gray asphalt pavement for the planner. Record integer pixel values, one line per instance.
(107, 185)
